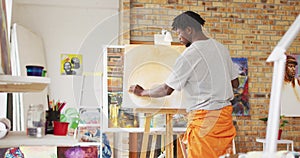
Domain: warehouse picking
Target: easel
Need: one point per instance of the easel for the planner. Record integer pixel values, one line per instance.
(149, 113)
(278, 57)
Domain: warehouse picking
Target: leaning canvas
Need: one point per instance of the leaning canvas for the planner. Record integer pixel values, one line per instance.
(4, 43)
(43, 151)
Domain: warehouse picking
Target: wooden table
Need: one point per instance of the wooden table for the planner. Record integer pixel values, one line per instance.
(149, 113)
(280, 141)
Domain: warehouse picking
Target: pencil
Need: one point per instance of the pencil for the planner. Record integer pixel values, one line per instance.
(49, 106)
(62, 106)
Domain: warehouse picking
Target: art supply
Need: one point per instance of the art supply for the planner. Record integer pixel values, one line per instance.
(53, 114)
(50, 117)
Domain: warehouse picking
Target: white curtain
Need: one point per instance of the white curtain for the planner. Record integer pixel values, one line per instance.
(18, 111)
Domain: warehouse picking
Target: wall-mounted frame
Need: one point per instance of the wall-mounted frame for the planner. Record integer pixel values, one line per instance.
(241, 106)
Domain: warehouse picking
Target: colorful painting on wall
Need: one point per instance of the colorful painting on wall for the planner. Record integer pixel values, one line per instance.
(290, 94)
(71, 64)
(89, 134)
(11, 152)
(77, 152)
(241, 106)
(89, 115)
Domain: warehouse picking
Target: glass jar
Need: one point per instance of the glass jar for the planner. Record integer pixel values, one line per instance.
(36, 121)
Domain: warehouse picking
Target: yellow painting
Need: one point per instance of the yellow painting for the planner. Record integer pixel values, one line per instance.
(71, 64)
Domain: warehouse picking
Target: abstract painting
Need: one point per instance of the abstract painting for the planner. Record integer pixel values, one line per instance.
(241, 106)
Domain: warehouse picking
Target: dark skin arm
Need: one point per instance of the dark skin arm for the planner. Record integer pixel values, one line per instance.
(163, 90)
(159, 91)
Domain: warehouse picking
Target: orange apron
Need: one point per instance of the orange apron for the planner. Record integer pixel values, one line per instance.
(209, 133)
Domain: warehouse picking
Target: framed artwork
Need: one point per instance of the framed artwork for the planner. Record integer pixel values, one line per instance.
(89, 134)
(241, 106)
(89, 129)
(90, 116)
(77, 151)
(43, 151)
(71, 64)
(290, 93)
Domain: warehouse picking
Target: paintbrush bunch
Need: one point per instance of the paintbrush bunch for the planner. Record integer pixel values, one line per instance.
(56, 105)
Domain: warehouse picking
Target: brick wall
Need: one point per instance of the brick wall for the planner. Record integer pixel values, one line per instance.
(249, 28)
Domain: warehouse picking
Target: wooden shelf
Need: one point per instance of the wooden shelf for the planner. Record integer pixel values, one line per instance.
(111, 55)
(15, 139)
(23, 83)
(115, 89)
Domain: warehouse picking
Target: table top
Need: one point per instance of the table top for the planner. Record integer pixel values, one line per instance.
(280, 141)
(161, 110)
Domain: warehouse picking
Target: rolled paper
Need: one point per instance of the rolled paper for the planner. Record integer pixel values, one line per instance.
(6, 122)
(3, 130)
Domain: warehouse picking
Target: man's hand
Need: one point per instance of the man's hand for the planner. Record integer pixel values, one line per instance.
(136, 89)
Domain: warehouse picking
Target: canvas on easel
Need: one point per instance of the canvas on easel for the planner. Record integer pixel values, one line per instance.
(148, 66)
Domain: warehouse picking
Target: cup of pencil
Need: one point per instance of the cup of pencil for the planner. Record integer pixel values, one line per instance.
(53, 114)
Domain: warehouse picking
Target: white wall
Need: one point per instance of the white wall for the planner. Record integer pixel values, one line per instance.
(71, 27)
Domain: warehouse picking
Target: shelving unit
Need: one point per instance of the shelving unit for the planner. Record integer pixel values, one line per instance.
(23, 83)
(10, 83)
(115, 63)
(14, 139)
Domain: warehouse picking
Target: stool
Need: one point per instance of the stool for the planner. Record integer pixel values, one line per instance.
(281, 141)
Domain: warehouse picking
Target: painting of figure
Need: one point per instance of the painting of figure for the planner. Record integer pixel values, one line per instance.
(71, 64)
(290, 94)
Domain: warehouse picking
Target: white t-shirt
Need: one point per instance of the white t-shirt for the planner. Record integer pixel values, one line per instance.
(204, 72)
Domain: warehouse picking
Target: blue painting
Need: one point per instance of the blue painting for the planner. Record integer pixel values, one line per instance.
(240, 102)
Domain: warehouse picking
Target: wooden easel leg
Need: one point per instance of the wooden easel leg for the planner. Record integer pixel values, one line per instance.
(133, 147)
(153, 145)
(169, 136)
(182, 147)
(146, 136)
(162, 143)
